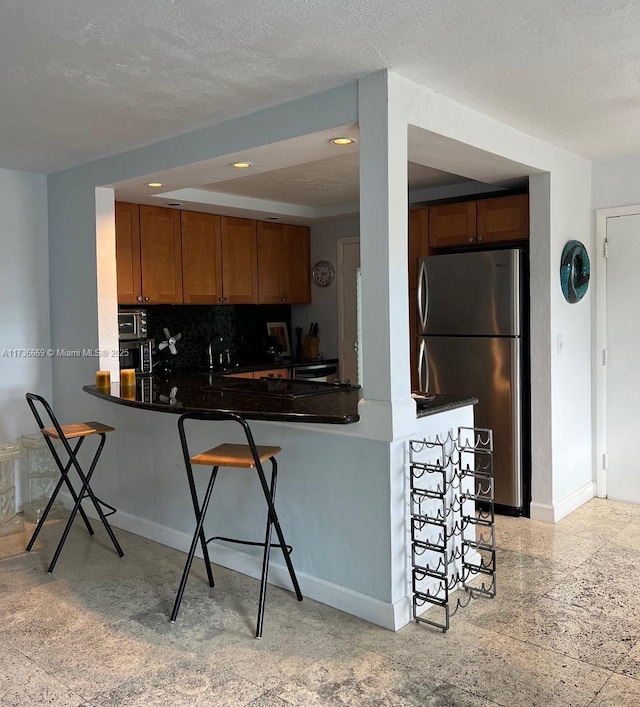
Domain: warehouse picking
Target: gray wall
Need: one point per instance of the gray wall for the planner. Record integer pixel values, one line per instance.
(24, 298)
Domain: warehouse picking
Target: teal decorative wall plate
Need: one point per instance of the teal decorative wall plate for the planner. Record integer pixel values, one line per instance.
(575, 271)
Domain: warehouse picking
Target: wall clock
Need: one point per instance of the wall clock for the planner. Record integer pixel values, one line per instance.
(575, 271)
(323, 273)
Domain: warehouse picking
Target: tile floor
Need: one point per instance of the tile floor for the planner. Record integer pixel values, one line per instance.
(563, 630)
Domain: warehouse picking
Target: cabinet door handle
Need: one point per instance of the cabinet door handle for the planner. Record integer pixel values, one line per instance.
(479, 238)
(139, 298)
(146, 299)
(471, 239)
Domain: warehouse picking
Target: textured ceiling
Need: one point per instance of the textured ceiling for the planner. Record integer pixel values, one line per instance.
(84, 79)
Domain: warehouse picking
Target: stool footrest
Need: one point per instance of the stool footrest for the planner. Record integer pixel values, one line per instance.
(111, 511)
(249, 542)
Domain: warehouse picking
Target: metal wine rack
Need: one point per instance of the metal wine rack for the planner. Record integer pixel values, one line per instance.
(453, 557)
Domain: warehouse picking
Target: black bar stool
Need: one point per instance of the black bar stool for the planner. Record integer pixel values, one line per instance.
(64, 433)
(245, 456)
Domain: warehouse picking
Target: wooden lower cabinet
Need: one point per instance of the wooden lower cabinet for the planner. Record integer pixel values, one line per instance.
(271, 373)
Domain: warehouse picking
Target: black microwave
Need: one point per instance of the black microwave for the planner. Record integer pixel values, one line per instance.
(132, 324)
(137, 355)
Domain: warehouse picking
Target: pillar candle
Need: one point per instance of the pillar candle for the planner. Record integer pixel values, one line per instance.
(127, 377)
(103, 379)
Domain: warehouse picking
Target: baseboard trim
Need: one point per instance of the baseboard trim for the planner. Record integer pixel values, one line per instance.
(342, 598)
(554, 513)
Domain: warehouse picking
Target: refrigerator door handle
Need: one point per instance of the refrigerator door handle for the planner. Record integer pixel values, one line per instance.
(423, 295)
(423, 368)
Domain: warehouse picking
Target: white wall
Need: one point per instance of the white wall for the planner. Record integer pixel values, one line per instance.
(615, 182)
(24, 299)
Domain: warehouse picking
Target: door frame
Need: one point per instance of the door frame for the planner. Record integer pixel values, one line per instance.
(340, 244)
(599, 370)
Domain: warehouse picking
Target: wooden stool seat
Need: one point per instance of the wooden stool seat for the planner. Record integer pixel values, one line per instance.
(234, 455)
(81, 429)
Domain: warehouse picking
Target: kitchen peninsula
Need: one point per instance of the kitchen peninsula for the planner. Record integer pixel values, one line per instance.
(266, 399)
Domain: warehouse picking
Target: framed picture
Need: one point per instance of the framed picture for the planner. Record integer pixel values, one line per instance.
(279, 330)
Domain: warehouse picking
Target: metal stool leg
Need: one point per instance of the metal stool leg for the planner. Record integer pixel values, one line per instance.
(85, 490)
(276, 524)
(267, 552)
(197, 536)
(63, 479)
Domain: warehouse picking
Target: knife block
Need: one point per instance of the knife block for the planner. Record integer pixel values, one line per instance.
(310, 347)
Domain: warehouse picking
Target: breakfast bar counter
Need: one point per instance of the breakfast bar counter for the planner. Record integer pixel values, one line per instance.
(270, 399)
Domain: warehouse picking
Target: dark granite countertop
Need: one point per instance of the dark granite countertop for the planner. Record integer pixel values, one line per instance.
(275, 400)
(442, 403)
(266, 399)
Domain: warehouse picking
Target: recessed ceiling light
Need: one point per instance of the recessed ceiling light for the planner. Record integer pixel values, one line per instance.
(174, 203)
(240, 165)
(272, 218)
(155, 184)
(341, 140)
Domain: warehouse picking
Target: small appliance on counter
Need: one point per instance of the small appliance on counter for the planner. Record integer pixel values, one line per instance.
(137, 355)
(216, 356)
(132, 324)
(136, 350)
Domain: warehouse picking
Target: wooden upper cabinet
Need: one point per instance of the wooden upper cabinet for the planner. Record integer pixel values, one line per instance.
(160, 255)
(418, 242)
(295, 264)
(270, 245)
(496, 220)
(201, 258)
(284, 270)
(239, 260)
(503, 219)
(128, 253)
(452, 224)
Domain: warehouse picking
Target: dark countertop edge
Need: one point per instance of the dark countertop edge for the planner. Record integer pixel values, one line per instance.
(442, 403)
(247, 368)
(260, 416)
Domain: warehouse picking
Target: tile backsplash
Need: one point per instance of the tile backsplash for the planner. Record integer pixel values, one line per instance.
(242, 329)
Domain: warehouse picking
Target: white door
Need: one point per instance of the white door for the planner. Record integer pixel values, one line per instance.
(348, 265)
(623, 365)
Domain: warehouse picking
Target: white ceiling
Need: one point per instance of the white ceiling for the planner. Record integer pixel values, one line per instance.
(81, 80)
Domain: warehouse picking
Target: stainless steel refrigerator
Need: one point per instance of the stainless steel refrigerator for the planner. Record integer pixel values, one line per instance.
(469, 312)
